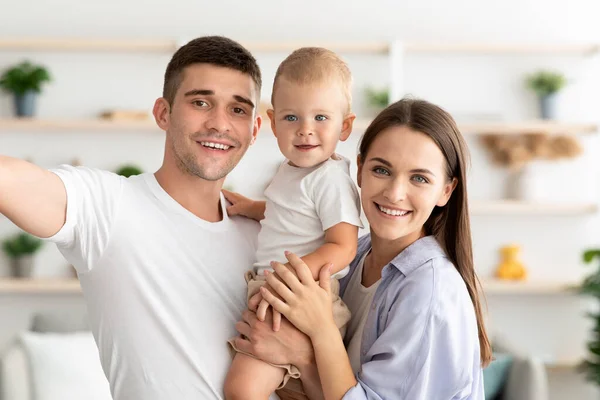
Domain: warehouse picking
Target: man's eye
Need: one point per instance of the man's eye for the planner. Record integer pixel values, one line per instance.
(199, 103)
(291, 118)
(239, 110)
(321, 118)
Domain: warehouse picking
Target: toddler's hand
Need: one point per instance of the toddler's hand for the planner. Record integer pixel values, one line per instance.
(261, 312)
(240, 205)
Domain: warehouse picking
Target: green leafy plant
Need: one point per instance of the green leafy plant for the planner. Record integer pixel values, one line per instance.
(24, 77)
(591, 287)
(546, 82)
(378, 98)
(21, 244)
(129, 170)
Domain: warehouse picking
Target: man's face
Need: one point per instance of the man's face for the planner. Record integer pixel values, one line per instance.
(212, 120)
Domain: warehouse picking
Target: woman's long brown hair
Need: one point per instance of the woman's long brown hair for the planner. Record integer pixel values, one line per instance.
(449, 224)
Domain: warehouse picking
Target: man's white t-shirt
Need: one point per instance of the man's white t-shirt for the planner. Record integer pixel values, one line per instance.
(164, 288)
(301, 204)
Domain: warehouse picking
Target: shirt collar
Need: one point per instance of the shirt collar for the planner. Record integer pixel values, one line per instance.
(417, 254)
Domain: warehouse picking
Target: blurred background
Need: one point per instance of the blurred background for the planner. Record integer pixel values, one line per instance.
(521, 77)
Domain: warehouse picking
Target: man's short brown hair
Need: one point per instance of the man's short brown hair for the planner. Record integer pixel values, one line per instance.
(215, 50)
(309, 65)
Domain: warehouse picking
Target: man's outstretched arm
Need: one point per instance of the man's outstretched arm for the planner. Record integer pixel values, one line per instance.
(33, 198)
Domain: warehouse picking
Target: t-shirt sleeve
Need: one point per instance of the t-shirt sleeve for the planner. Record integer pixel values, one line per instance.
(336, 197)
(92, 201)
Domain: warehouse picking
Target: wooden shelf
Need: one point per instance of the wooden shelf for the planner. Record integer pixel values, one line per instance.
(562, 365)
(509, 128)
(360, 124)
(503, 48)
(517, 128)
(170, 45)
(39, 286)
(33, 124)
(513, 207)
(502, 287)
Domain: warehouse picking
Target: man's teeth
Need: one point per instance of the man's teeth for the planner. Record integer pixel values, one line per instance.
(392, 212)
(215, 145)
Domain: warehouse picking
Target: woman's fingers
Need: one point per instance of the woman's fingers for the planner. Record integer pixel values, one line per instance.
(287, 276)
(279, 287)
(300, 267)
(277, 304)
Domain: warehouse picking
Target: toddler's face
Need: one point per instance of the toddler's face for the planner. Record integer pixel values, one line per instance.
(309, 120)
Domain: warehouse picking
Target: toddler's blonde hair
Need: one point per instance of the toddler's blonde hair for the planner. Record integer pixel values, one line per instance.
(309, 65)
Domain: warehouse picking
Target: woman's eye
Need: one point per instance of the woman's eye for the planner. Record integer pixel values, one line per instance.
(321, 118)
(291, 118)
(420, 179)
(381, 171)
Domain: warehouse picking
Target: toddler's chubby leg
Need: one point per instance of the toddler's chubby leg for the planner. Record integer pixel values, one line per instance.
(251, 379)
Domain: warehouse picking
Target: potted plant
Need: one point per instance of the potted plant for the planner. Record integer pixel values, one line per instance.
(377, 99)
(21, 248)
(128, 170)
(24, 81)
(546, 84)
(591, 287)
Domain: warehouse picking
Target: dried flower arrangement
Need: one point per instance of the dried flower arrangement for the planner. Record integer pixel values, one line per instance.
(514, 151)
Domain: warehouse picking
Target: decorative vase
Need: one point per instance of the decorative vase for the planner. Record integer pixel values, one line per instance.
(548, 106)
(25, 104)
(514, 184)
(22, 267)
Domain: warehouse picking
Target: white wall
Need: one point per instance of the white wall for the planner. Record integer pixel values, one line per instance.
(468, 86)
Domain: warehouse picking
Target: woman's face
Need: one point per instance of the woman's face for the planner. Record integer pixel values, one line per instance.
(402, 178)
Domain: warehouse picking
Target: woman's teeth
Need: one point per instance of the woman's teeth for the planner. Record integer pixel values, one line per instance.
(394, 213)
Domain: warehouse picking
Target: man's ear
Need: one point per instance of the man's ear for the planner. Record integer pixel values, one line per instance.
(162, 113)
(256, 129)
(359, 171)
(271, 115)
(347, 126)
(447, 192)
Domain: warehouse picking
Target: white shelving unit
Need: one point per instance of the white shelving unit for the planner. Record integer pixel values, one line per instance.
(396, 53)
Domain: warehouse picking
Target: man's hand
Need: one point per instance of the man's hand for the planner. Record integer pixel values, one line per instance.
(288, 346)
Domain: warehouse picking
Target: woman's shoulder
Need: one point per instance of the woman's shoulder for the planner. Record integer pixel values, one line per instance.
(438, 286)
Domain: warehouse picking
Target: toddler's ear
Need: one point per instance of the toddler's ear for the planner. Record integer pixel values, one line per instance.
(271, 115)
(347, 126)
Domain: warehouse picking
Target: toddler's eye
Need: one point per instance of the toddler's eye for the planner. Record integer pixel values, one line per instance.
(291, 118)
(320, 118)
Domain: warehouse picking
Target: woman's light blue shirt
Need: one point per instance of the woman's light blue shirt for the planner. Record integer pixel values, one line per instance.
(420, 340)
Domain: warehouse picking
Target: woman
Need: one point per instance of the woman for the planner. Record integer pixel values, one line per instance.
(417, 329)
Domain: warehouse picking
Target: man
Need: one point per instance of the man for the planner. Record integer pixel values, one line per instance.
(160, 263)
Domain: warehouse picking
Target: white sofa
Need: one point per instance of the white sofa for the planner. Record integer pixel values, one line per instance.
(527, 379)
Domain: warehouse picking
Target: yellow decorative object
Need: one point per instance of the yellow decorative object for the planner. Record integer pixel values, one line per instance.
(510, 268)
